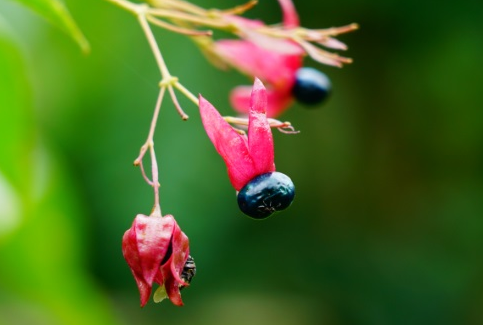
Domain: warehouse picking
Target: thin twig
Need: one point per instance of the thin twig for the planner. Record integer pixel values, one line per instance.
(180, 5)
(149, 144)
(186, 92)
(238, 10)
(154, 46)
(146, 178)
(154, 168)
(178, 29)
(211, 22)
(184, 116)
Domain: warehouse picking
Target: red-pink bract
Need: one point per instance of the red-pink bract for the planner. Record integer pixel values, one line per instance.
(272, 60)
(245, 156)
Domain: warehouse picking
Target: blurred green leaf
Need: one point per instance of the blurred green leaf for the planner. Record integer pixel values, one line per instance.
(56, 12)
(45, 256)
(10, 213)
(42, 248)
(16, 122)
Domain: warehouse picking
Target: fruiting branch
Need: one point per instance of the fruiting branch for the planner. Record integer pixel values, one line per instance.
(185, 18)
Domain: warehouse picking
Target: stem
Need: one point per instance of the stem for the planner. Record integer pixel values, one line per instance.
(154, 46)
(154, 171)
(149, 144)
(178, 29)
(155, 115)
(186, 92)
(272, 122)
(238, 10)
(184, 117)
(211, 22)
(181, 5)
(146, 178)
(142, 12)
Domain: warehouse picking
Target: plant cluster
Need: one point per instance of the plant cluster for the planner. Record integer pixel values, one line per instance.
(155, 248)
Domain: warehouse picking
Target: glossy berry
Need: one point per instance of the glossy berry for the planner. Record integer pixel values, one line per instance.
(266, 194)
(311, 86)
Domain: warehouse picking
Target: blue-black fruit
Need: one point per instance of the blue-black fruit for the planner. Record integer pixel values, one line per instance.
(311, 86)
(266, 194)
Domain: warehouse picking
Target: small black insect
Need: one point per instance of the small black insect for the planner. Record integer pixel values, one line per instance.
(266, 194)
(189, 271)
(311, 86)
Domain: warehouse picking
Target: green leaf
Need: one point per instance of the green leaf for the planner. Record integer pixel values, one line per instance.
(56, 12)
(16, 116)
(43, 277)
(44, 260)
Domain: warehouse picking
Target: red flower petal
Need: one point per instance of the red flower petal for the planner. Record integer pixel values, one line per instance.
(153, 239)
(181, 251)
(243, 22)
(277, 101)
(144, 246)
(144, 290)
(290, 16)
(131, 254)
(277, 69)
(245, 159)
(231, 146)
(172, 287)
(174, 267)
(278, 45)
(260, 140)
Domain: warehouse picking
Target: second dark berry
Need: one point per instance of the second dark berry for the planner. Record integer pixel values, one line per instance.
(311, 86)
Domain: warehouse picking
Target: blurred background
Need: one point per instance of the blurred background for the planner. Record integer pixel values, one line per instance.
(387, 225)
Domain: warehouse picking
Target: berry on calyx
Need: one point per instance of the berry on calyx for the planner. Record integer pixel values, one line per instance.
(266, 194)
(311, 86)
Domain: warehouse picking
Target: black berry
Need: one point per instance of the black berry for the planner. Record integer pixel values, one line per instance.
(311, 86)
(266, 194)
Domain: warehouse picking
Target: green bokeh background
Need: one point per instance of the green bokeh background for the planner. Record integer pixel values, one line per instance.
(387, 225)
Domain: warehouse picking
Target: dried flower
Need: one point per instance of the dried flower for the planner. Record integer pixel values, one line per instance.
(157, 251)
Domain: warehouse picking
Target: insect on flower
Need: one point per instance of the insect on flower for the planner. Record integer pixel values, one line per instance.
(157, 251)
(189, 271)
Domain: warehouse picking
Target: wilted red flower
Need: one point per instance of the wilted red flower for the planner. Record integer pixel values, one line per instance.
(250, 159)
(157, 250)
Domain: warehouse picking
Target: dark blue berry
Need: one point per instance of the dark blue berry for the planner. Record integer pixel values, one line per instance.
(266, 194)
(311, 86)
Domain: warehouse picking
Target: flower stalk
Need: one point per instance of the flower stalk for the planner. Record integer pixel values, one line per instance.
(149, 145)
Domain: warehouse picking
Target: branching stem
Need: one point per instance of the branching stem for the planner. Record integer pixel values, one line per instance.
(184, 18)
(149, 145)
